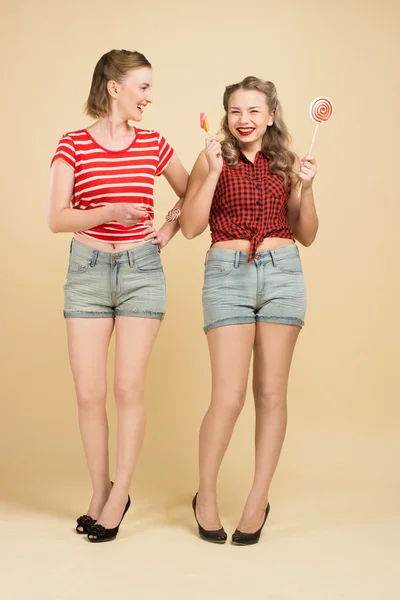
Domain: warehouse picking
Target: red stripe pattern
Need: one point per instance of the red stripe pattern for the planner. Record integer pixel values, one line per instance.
(105, 177)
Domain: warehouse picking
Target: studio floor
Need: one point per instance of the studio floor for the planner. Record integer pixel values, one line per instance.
(327, 545)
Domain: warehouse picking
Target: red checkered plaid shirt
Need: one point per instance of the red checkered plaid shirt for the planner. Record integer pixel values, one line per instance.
(250, 203)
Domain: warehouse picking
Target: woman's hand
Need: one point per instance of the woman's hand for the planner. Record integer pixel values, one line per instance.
(156, 238)
(213, 154)
(129, 214)
(308, 171)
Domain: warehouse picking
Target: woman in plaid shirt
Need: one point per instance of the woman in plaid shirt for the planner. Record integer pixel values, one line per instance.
(246, 189)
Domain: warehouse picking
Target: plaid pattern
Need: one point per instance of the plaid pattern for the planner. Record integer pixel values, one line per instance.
(250, 203)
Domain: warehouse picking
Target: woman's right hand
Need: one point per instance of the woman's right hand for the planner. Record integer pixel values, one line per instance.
(129, 214)
(213, 154)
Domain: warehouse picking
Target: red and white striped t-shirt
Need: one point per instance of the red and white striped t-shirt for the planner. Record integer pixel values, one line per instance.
(107, 176)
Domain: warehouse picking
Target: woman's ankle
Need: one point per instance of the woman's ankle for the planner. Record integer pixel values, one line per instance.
(102, 489)
(258, 498)
(206, 496)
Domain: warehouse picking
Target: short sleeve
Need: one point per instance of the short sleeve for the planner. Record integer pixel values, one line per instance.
(165, 152)
(66, 151)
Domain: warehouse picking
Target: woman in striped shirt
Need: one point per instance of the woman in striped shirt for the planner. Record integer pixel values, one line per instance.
(101, 188)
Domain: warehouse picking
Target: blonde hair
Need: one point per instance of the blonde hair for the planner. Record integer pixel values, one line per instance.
(276, 139)
(112, 66)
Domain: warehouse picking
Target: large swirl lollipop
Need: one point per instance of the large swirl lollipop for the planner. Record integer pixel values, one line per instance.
(321, 110)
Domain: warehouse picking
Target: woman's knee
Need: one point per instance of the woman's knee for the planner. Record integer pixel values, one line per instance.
(229, 405)
(128, 394)
(91, 397)
(270, 398)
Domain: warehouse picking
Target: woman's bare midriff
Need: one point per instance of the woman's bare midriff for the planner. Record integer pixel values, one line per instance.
(107, 246)
(244, 245)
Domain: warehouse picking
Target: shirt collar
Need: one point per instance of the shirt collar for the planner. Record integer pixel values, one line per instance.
(259, 156)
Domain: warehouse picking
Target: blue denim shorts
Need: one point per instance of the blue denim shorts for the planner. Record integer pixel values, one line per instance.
(270, 289)
(106, 284)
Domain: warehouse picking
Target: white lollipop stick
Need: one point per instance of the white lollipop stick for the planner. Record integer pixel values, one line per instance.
(172, 215)
(157, 212)
(315, 133)
(309, 152)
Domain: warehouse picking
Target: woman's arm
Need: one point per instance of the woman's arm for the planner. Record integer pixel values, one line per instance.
(177, 177)
(302, 214)
(62, 218)
(202, 183)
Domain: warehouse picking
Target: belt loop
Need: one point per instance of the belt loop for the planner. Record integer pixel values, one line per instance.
(70, 246)
(237, 259)
(94, 258)
(297, 250)
(206, 258)
(130, 258)
(273, 257)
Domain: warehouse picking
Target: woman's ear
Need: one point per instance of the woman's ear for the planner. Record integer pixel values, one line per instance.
(271, 119)
(112, 88)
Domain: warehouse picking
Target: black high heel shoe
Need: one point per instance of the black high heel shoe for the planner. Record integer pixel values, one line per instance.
(217, 536)
(86, 522)
(247, 539)
(106, 535)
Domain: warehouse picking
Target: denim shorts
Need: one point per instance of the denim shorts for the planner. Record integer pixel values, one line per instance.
(106, 284)
(270, 289)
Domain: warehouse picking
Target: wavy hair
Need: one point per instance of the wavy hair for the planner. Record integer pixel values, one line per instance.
(276, 139)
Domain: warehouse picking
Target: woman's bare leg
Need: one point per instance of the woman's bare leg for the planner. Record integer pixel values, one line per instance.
(134, 341)
(273, 351)
(88, 341)
(230, 352)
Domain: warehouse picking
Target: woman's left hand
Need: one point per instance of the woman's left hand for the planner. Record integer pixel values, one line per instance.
(156, 238)
(308, 171)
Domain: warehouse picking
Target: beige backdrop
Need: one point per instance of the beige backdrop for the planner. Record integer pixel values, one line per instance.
(340, 461)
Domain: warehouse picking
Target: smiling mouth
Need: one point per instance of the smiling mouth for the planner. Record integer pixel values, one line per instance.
(245, 131)
(140, 107)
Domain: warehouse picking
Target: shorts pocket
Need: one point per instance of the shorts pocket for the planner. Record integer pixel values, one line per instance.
(75, 266)
(149, 263)
(290, 264)
(217, 269)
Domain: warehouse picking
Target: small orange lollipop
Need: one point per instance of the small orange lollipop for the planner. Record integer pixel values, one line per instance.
(204, 122)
